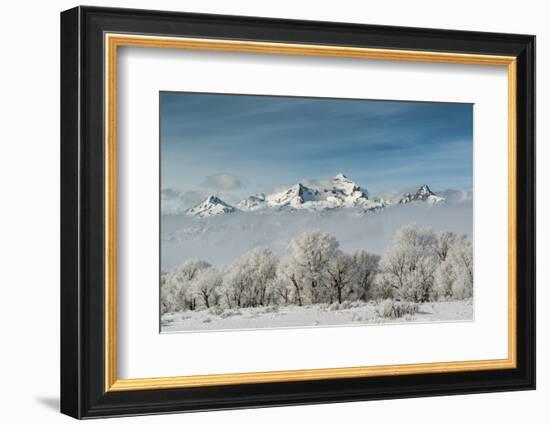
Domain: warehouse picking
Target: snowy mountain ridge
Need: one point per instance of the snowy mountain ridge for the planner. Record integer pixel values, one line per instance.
(422, 194)
(209, 207)
(341, 192)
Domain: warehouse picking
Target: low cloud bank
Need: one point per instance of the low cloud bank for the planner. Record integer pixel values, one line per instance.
(221, 239)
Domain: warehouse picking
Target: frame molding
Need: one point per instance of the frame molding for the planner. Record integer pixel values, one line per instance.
(90, 38)
(113, 41)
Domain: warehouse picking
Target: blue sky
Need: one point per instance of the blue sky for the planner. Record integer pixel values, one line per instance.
(236, 145)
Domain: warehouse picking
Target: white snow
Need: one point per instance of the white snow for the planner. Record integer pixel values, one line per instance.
(422, 194)
(297, 196)
(355, 313)
(339, 192)
(252, 203)
(211, 206)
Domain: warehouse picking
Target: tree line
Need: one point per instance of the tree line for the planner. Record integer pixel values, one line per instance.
(421, 265)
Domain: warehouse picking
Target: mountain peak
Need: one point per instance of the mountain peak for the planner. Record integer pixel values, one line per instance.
(212, 205)
(424, 190)
(213, 199)
(423, 193)
(293, 197)
(340, 176)
(347, 187)
(341, 192)
(252, 203)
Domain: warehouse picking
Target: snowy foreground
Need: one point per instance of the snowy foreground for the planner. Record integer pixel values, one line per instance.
(354, 313)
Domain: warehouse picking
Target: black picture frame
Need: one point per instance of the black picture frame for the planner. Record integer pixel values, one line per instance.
(83, 392)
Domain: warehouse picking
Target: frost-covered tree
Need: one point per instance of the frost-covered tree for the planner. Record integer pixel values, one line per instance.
(445, 274)
(366, 267)
(289, 285)
(342, 275)
(263, 266)
(283, 291)
(445, 241)
(408, 267)
(249, 280)
(206, 286)
(163, 274)
(188, 270)
(308, 264)
(228, 298)
(444, 279)
(464, 259)
(166, 303)
(454, 278)
(236, 283)
(176, 292)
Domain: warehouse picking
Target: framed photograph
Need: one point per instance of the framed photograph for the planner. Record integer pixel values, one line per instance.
(261, 212)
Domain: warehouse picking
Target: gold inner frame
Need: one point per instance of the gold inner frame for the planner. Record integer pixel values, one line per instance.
(113, 41)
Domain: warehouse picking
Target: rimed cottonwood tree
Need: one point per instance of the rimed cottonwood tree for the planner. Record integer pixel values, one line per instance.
(248, 281)
(206, 286)
(311, 253)
(366, 267)
(407, 269)
(176, 292)
(455, 276)
(341, 277)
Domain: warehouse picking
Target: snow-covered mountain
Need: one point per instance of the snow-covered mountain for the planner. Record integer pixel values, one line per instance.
(344, 192)
(252, 203)
(209, 207)
(295, 197)
(339, 192)
(422, 194)
(340, 183)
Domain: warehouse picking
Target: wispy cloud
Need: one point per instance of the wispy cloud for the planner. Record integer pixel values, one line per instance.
(174, 200)
(222, 181)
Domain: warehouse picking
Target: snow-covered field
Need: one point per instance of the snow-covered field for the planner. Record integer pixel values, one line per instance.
(354, 313)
